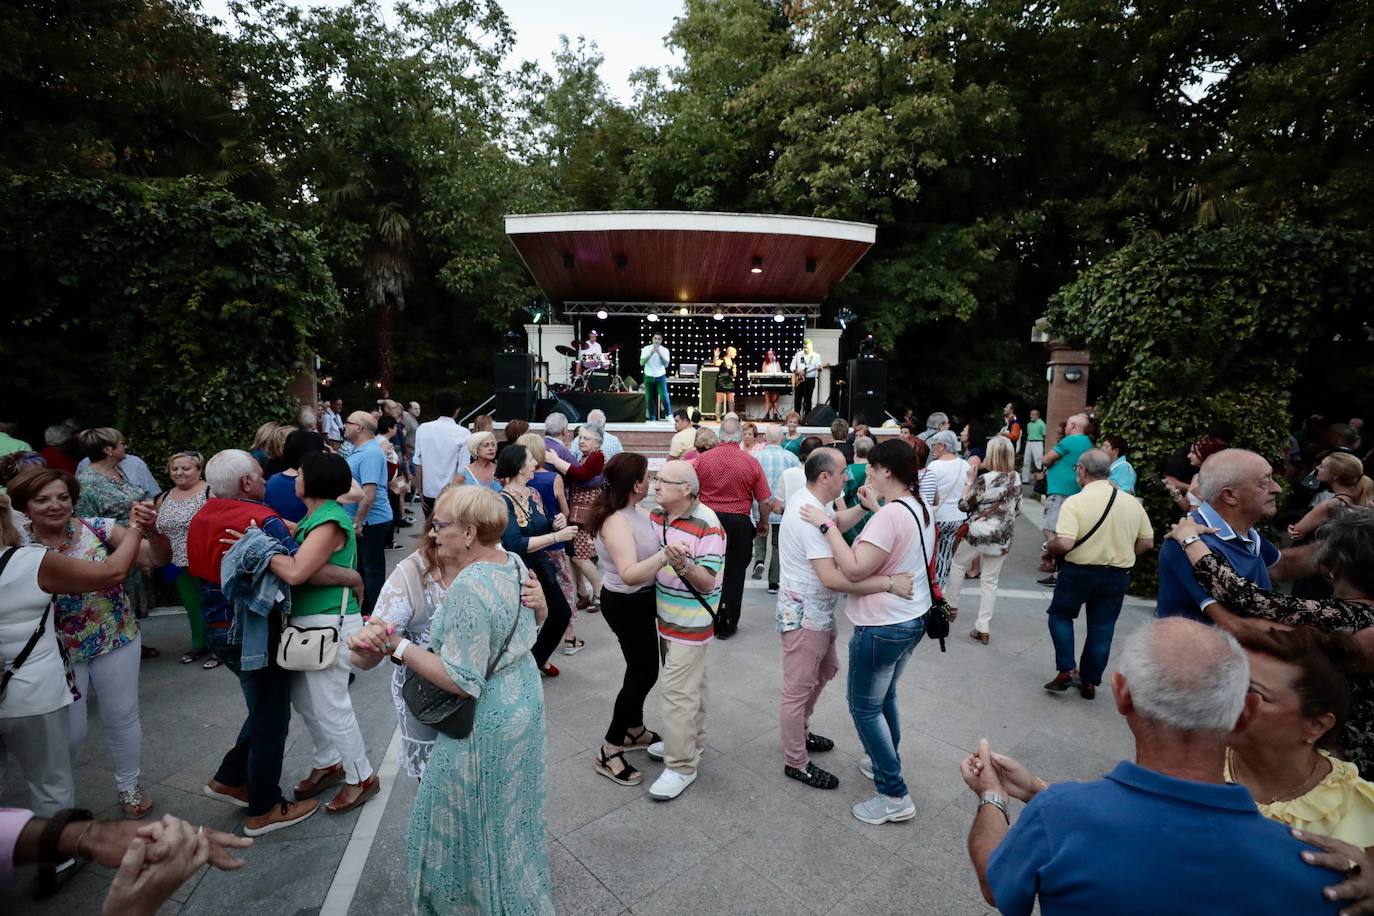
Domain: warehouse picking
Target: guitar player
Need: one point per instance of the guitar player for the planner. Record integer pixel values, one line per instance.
(806, 368)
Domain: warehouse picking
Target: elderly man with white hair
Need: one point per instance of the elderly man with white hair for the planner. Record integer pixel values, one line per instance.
(249, 775)
(610, 445)
(1165, 834)
(1061, 481)
(1238, 492)
(687, 594)
(775, 460)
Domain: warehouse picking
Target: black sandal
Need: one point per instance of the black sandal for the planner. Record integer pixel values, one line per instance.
(645, 739)
(813, 776)
(628, 776)
(815, 744)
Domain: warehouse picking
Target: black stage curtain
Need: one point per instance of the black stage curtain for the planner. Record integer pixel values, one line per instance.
(620, 408)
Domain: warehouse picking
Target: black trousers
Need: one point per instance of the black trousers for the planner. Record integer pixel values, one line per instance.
(802, 402)
(255, 760)
(556, 624)
(372, 562)
(633, 620)
(739, 552)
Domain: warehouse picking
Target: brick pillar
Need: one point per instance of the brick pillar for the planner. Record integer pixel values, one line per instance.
(1066, 398)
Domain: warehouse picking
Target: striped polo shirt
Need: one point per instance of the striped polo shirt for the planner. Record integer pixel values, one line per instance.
(681, 617)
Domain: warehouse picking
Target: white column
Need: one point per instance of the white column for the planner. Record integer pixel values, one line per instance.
(826, 342)
(554, 334)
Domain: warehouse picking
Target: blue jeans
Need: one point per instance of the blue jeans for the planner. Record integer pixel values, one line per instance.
(255, 760)
(654, 389)
(877, 656)
(1102, 589)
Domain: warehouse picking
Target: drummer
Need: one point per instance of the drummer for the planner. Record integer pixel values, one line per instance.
(771, 366)
(591, 356)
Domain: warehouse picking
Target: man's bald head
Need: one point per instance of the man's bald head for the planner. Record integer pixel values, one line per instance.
(1078, 423)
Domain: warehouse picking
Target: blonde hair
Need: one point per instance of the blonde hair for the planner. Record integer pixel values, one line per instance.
(1348, 470)
(705, 440)
(277, 443)
(200, 462)
(476, 506)
(534, 444)
(264, 435)
(478, 439)
(481, 423)
(9, 535)
(95, 440)
(1001, 454)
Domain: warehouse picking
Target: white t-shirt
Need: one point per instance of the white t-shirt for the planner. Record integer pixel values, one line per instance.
(892, 530)
(799, 543)
(441, 448)
(793, 479)
(40, 684)
(950, 479)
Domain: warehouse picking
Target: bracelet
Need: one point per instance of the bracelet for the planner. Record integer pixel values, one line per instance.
(48, 853)
(82, 838)
(889, 584)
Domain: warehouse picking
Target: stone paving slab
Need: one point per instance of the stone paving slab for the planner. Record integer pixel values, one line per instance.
(743, 839)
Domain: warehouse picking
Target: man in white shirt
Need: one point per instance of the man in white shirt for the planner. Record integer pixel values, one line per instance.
(333, 423)
(590, 354)
(811, 588)
(808, 362)
(441, 449)
(952, 475)
(654, 360)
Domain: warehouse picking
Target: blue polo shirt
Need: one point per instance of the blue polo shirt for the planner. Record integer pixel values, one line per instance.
(368, 465)
(1140, 842)
(1250, 555)
(1123, 475)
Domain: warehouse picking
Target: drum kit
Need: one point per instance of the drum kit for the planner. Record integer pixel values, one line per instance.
(594, 371)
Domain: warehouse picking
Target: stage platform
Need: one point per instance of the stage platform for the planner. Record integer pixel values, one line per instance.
(652, 439)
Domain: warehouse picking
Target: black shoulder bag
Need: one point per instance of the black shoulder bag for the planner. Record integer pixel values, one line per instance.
(1060, 560)
(939, 615)
(25, 652)
(443, 710)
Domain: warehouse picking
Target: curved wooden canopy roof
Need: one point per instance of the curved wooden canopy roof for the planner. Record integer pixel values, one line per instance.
(640, 256)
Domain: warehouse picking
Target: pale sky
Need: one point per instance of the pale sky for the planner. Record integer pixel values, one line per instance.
(629, 35)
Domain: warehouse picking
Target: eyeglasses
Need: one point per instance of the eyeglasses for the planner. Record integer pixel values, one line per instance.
(676, 483)
(438, 525)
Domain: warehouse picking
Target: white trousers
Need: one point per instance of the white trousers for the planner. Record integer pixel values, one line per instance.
(41, 746)
(1032, 460)
(321, 697)
(987, 581)
(114, 678)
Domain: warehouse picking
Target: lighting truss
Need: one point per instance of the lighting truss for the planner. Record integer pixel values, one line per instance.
(695, 309)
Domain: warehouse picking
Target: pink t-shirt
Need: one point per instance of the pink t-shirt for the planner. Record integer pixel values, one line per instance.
(893, 531)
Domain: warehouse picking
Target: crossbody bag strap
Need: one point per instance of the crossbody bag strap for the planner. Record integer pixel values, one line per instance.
(491, 666)
(1093, 530)
(33, 640)
(927, 557)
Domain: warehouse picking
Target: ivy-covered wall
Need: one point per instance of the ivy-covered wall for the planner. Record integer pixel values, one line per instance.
(172, 310)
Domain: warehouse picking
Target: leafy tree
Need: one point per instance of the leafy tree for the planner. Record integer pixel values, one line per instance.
(174, 311)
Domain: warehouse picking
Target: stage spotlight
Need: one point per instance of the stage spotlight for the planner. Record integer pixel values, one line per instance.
(845, 317)
(538, 312)
(512, 342)
(601, 314)
(719, 315)
(758, 266)
(652, 316)
(868, 348)
(779, 317)
(683, 311)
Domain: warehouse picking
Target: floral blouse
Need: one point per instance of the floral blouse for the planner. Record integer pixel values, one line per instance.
(105, 498)
(94, 623)
(992, 507)
(1245, 598)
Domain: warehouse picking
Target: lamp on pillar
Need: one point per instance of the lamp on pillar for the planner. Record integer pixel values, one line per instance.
(1068, 377)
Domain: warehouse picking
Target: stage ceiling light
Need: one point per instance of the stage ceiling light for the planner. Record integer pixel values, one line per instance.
(779, 317)
(652, 316)
(719, 315)
(683, 311)
(845, 317)
(601, 314)
(758, 266)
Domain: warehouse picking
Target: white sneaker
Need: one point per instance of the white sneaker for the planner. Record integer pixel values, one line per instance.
(880, 809)
(655, 750)
(671, 783)
(866, 766)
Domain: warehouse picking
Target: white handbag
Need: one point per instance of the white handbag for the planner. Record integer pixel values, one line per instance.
(311, 648)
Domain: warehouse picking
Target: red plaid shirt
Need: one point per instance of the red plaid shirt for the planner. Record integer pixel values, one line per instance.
(731, 479)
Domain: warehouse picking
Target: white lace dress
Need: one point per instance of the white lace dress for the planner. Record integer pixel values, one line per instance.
(394, 606)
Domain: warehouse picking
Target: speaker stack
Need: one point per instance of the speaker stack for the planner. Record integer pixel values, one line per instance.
(514, 386)
(867, 397)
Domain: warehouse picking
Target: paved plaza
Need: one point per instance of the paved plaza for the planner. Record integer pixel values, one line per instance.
(743, 839)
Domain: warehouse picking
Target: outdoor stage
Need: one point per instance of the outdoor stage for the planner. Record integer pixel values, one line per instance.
(652, 439)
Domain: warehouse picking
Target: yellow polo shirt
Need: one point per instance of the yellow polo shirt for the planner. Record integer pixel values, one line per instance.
(682, 442)
(1114, 543)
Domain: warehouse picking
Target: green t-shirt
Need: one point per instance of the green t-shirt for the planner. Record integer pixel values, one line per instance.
(325, 599)
(1061, 478)
(1035, 430)
(793, 445)
(855, 476)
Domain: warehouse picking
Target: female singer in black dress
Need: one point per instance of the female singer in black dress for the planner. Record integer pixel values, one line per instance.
(725, 382)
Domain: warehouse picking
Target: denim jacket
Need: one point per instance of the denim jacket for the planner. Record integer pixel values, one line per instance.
(252, 589)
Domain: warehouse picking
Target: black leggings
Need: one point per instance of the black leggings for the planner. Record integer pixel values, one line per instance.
(633, 619)
(560, 615)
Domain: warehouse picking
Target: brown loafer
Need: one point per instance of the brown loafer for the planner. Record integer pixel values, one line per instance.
(1062, 681)
(318, 781)
(1087, 691)
(364, 790)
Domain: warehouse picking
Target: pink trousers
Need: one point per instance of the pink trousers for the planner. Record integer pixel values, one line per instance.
(808, 663)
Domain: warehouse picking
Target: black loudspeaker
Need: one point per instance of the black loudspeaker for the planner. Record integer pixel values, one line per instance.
(867, 376)
(823, 415)
(514, 372)
(867, 408)
(513, 405)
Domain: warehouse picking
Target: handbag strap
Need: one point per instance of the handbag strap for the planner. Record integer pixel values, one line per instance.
(33, 640)
(1093, 530)
(928, 557)
(519, 581)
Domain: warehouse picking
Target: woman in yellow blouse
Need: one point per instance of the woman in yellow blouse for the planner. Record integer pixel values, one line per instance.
(1286, 757)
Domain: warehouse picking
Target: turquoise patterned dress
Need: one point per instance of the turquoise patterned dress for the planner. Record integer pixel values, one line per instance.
(477, 840)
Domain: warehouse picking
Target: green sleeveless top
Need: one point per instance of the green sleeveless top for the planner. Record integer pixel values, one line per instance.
(325, 599)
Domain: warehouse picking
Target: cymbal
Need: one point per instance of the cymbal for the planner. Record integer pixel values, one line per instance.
(613, 348)
(566, 351)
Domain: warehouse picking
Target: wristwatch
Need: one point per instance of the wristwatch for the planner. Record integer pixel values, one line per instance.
(825, 527)
(997, 801)
(1190, 539)
(398, 654)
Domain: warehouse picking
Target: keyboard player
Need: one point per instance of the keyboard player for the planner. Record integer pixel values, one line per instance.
(771, 366)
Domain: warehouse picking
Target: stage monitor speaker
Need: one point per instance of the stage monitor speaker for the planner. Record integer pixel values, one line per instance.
(513, 405)
(868, 408)
(707, 391)
(867, 376)
(823, 415)
(514, 372)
